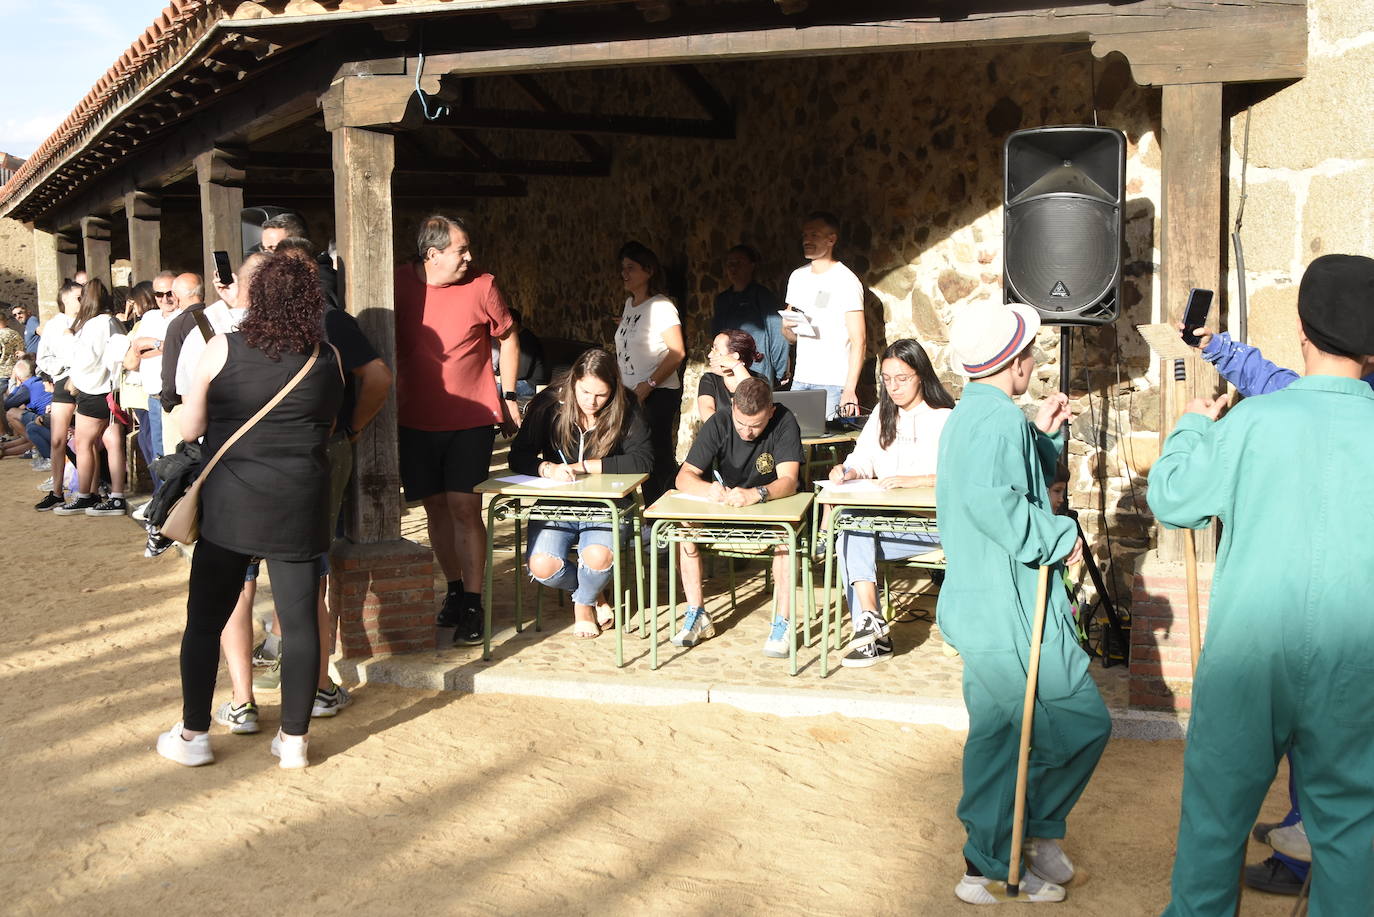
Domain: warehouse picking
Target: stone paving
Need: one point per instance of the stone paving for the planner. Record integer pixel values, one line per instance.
(919, 684)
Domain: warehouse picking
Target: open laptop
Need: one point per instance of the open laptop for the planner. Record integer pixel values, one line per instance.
(808, 407)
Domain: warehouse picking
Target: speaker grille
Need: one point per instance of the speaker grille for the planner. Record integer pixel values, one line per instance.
(1062, 253)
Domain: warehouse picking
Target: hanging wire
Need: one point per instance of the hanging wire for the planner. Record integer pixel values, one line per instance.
(1244, 324)
(440, 109)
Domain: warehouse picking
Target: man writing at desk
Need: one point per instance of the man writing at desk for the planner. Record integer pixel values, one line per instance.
(750, 454)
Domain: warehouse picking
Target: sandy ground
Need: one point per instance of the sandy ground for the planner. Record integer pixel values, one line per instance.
(424, 802)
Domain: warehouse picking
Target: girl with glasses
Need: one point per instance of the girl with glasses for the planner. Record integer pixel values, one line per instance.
(897, 447)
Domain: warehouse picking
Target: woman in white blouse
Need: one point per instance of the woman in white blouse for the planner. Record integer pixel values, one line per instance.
(649, 349)
(898, 448)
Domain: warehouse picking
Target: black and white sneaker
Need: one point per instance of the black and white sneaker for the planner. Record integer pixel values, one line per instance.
(110, 506)
(871, 644)
(76, 506)
(448, 613)
(48, 503)
(470, 629)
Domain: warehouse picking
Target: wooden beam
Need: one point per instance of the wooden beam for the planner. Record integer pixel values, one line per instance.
(95, 245)
(433, 167)
(590, 145)
(587, 123)
(1191, 125)
(143, 211)
(1277, 54)
(364, 232)
(221, 205)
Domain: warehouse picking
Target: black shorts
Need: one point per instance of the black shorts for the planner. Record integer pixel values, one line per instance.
(92, 406)
(453, 461)
(60, 395)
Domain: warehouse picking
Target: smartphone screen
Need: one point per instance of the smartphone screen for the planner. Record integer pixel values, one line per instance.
(1195, 315)
(222, 268)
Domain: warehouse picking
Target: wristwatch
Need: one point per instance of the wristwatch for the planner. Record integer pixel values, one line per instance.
(509, 396)
(763, 494)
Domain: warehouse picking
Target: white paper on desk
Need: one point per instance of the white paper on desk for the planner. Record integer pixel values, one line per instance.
(695, 498)
(858, 484)
(529, 480)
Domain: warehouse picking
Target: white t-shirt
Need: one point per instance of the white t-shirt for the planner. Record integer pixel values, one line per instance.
(639, 345)
(913, 450)
(223, 320)
(152, 324)
(823, 356)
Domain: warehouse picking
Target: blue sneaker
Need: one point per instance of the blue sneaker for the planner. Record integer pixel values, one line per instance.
(779, 644)
(696, 627)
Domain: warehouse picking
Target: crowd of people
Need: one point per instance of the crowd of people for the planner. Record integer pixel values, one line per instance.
(276, 380)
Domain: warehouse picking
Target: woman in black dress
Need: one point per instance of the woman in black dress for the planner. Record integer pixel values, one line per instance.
(268, 497)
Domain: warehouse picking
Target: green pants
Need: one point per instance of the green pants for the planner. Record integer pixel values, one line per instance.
(1279, 685)
(1070, 730)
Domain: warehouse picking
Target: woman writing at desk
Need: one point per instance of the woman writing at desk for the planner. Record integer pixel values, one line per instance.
(584, 423)
(898, 448)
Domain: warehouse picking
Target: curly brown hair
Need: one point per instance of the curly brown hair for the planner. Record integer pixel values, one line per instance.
(286, 313)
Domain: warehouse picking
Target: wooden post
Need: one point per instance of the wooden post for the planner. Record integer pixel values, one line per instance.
(221, 204)
(143, 211)
(1191, 247)
(95, 244)
(363, 163)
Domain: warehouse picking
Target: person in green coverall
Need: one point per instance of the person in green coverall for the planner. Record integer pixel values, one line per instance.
(998, 529)
(1288, 659)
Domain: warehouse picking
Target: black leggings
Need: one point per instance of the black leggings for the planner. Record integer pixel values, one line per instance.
(216, 581)
(661, 409)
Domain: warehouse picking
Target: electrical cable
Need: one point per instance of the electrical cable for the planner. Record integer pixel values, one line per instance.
(440, 109)
(1243, 329)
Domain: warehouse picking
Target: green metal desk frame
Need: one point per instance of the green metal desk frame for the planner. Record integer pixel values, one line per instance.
(691, 522)
(524, 504)
(868, 517)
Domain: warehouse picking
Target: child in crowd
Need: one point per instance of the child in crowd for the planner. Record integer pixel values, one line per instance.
(749, 454)
(588, 422)
(998, 530)
(898, 447)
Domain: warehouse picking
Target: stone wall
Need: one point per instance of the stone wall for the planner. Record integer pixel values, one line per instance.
(17, 278)
(907, 149)
(1310, 178)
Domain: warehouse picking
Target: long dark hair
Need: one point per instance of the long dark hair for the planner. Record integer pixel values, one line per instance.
(932, 390)
(95, 300)
(287, 308)
(144, 300)
(644, 256)
(611, 420)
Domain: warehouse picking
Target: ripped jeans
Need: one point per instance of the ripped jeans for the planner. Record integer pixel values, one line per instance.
(555, 538)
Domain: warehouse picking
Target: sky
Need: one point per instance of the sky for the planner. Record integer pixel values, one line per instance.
(54, 51)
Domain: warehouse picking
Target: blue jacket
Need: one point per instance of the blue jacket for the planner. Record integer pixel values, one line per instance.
(29, 392)
(1246, 368)
(31, 335)
(755, 310)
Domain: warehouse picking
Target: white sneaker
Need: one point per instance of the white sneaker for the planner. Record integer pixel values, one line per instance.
(778, 645)
(982, 890)
(1047, 858)
(1292, 842)
(190, 752)
(696, 626)
(291, 749)
(138, 513)
(45, 486)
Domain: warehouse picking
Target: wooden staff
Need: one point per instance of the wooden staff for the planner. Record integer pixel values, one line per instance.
(1018, 818)
(1189, 548)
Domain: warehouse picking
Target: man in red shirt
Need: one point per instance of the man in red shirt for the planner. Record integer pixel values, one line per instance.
(447, 315)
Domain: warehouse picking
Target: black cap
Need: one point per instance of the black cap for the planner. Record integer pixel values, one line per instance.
(1336, 304)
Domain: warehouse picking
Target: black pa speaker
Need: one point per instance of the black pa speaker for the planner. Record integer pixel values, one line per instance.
(1062, 222)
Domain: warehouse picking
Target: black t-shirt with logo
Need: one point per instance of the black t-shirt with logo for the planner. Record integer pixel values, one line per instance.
(741, 463)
